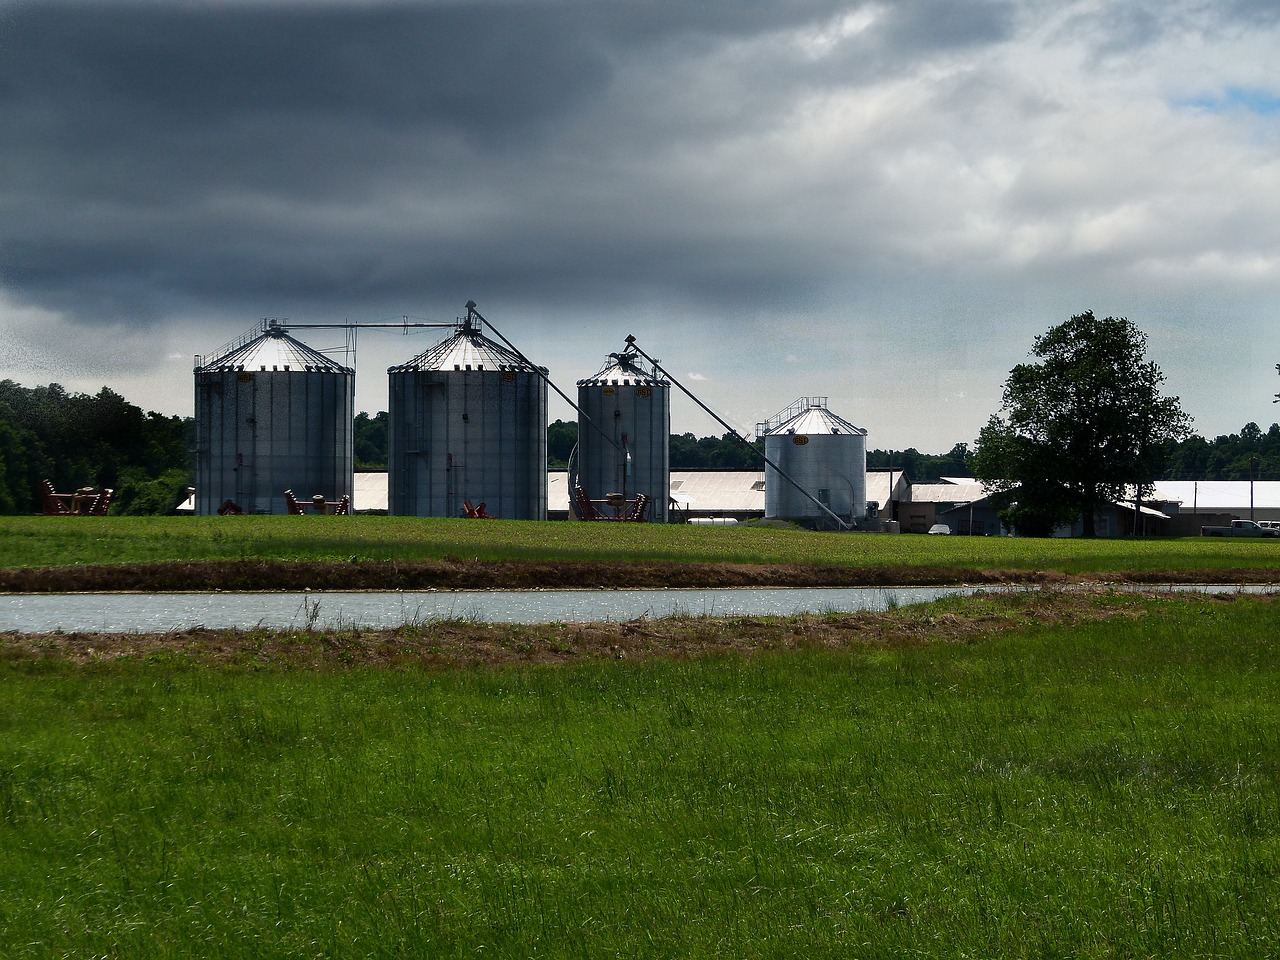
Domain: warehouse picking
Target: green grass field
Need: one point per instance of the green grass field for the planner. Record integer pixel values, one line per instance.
(56, 541)
(1109, 789)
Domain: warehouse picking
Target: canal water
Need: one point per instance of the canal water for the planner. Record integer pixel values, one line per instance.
(160, 612)
(150, 613)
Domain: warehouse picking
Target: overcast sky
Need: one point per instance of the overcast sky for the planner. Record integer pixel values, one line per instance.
(882, 203)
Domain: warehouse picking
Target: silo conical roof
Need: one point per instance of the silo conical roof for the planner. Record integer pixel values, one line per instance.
(468, 349)
(273, 350)
(812, 418)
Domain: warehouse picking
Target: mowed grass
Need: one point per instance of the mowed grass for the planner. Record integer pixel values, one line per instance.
(59, 541)
(1101, 790)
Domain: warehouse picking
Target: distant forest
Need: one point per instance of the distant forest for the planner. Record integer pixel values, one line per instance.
(76, 440)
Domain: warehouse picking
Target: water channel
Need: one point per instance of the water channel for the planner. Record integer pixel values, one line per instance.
(161, 612)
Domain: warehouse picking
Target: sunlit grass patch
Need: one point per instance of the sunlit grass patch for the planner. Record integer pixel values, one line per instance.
(1005, 784)
(53, 541)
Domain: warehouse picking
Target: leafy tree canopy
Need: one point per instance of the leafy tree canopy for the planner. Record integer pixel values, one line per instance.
(686, 451)
(369, 437)
(923, 467)
(1079, 427)
(74, 440)
(562, 435)
(1249, 454)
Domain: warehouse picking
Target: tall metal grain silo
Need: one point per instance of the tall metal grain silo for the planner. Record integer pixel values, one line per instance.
(824, 454)
(272, 414)
(468, 423)
(631, 407)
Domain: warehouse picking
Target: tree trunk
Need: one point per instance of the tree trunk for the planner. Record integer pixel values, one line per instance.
(1088, 518)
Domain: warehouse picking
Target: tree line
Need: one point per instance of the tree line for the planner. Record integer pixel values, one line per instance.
(1229, 457)
(102, 440)
(729, 452)
(1247, 455)
(76, 440)
(685, 451)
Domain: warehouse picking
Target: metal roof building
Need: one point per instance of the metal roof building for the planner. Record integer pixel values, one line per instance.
(1178, 508)
(1221, 496)
(1175, 508)
(697, 493)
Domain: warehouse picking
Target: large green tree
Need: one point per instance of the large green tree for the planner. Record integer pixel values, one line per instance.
(562, 436)
(370, 441)
(1080, 427)
(74, 439)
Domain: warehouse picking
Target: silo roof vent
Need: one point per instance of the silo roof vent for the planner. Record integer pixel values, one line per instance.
(623, 369)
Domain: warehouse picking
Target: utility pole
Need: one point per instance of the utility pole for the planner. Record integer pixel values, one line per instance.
(1251, 462)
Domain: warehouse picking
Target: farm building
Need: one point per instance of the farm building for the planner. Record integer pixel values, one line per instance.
(694, 493)
(1177, 509)
(962, 505)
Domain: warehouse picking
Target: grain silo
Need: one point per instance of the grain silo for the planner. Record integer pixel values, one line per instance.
(467, 424)
(624, 433)
(272, 414)
(824, 454)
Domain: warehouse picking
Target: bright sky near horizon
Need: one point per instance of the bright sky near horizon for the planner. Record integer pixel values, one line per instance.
(882, 202)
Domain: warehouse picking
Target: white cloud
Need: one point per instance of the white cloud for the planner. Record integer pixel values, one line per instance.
(821, 41)
(44, 346)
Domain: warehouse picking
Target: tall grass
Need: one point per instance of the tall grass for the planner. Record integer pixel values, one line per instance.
(1109, 790)
(55, 541)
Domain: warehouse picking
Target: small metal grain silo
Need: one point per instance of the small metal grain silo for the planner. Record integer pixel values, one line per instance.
(824, 454)
(272, 415)
(627, 451)
(467, 423)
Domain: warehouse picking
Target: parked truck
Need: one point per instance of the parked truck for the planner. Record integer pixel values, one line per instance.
(1240, 528)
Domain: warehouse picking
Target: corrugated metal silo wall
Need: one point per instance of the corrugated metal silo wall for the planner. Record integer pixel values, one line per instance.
(643, 413)
(478, 435)
(835, 463)
(259, 433)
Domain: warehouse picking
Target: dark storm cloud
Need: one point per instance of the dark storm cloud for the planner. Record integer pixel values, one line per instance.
(461, 68)
(154, 151)
(257, 91)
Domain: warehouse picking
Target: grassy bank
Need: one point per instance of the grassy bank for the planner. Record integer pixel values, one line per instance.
(989, 777)
(64, 541)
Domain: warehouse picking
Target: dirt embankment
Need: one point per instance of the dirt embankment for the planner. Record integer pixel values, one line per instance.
(452, 643)
(232, 575)
(447, 644)
(461, 575)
